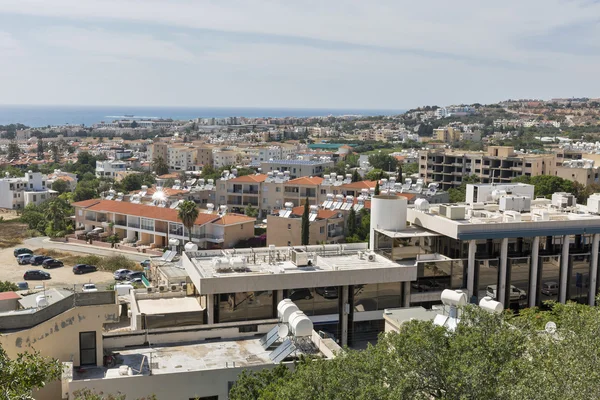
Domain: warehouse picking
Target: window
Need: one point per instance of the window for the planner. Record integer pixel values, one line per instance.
(278, 189)
(322, 229)
(289, 226)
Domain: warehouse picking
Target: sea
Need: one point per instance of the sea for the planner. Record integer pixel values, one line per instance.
(42, 116)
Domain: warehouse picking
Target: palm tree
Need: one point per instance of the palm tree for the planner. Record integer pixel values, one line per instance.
(188, 213)
(56, 215)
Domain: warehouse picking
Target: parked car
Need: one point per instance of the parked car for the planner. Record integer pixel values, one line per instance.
(135, 274)
(426, 286)
(515, 293)
(84, 269)
(133, 281)
(550, 288)
(52, 263)
(21, 250)
(24, 258)
(38, 260)
(35, 274)
(145, 263)
(23, 285)
(89, 287)
(300, 294)
(121, 274)
(328, 292)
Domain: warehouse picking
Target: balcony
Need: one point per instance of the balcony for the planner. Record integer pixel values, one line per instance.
(135, 225)
(335, 232)
(121, 222)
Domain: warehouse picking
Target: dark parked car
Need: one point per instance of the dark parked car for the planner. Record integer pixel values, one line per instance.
(38, 260)
(328, 292)
(84, 268)
(35, 274)
(23, 285)
(52, 263)
(135, 274)
(21, 250)
(300, 294)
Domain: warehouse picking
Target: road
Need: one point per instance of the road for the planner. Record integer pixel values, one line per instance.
(44, 242)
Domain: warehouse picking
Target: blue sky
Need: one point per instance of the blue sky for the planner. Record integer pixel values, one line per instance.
(335, 54)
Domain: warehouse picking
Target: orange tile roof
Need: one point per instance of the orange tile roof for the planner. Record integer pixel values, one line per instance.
(141, 210)
(322, 214)
(359, 185)
(65, 178)
(257, 178)
(168, 191)
(231, 219)
(305, 180)
(168, 176)
(86, 203)
(9, 296)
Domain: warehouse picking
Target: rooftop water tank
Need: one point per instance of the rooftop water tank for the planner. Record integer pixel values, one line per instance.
(422, 204)
(488, 304)
(41, 301)
(189, 246)
(454, 298)
(300, 324)
(285, 309)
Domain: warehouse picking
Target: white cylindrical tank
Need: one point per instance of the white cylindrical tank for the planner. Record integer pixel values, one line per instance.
(285, 310)
(387, 212)
(173, 242)
(189, 246)
(422, 204)
(454, 298)
(41, 301)
(300, 324)
(488, 304)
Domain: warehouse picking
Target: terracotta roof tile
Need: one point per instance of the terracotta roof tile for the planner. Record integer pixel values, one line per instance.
(359, 185)
(305, 180)
(231, 219)
(257, 178)
(9, 296)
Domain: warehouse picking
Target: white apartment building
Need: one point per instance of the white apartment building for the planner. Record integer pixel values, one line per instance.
(110, 168)
(182, 158)
(297, 168)
(17, 193)
(226, 158)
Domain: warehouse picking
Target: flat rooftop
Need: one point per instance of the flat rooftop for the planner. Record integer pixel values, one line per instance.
(183, 358)
(169, 305)
(274, 269)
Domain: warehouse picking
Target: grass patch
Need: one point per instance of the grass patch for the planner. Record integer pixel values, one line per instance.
(111, 263)
(12, 233)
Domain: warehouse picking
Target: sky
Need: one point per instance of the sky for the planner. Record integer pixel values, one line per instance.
(381, 54)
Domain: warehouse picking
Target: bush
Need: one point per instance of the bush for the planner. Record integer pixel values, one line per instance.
(114, 263)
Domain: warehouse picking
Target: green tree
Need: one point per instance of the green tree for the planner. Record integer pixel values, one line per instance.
(85, 190)
(377, 190)
(251, 211)
(135, 181)
(356, 176)
(187, 214)
(28, 371)
(546, 185)
(351, 225)
(8, 286)
(40, 149)
(14, 152)
(56, 214)
(383, 161)
(305, 234)
(411, 168)
(375, 175)
(60, 186)
(159, 166)
(55, 153)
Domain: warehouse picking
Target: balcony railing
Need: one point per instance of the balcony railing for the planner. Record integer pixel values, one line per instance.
(134, 225)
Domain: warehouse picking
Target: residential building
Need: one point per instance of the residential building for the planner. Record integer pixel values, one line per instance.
(68, 177)
(69, 330)
(285, 228)
(226, 158)
(447, 134)
(237, 192)
(497, 165)
(149, 226)
(297, 168)
(110, 168)
(582, 171)
(17, 193)
(182, 158)
(205, 156)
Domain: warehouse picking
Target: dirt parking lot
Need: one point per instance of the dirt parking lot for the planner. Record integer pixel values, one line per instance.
(61, 277)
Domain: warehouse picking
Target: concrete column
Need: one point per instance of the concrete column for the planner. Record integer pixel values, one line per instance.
(533, 273)
(406, 293)
(594, 269)
(210, 309)
(502, 284)
(344, 320)
(564, 269)
(471, 269)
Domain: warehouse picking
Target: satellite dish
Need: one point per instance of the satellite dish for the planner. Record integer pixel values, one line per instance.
(550, 327)
(283, 331)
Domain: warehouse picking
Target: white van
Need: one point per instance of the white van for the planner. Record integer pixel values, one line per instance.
(123, 289)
